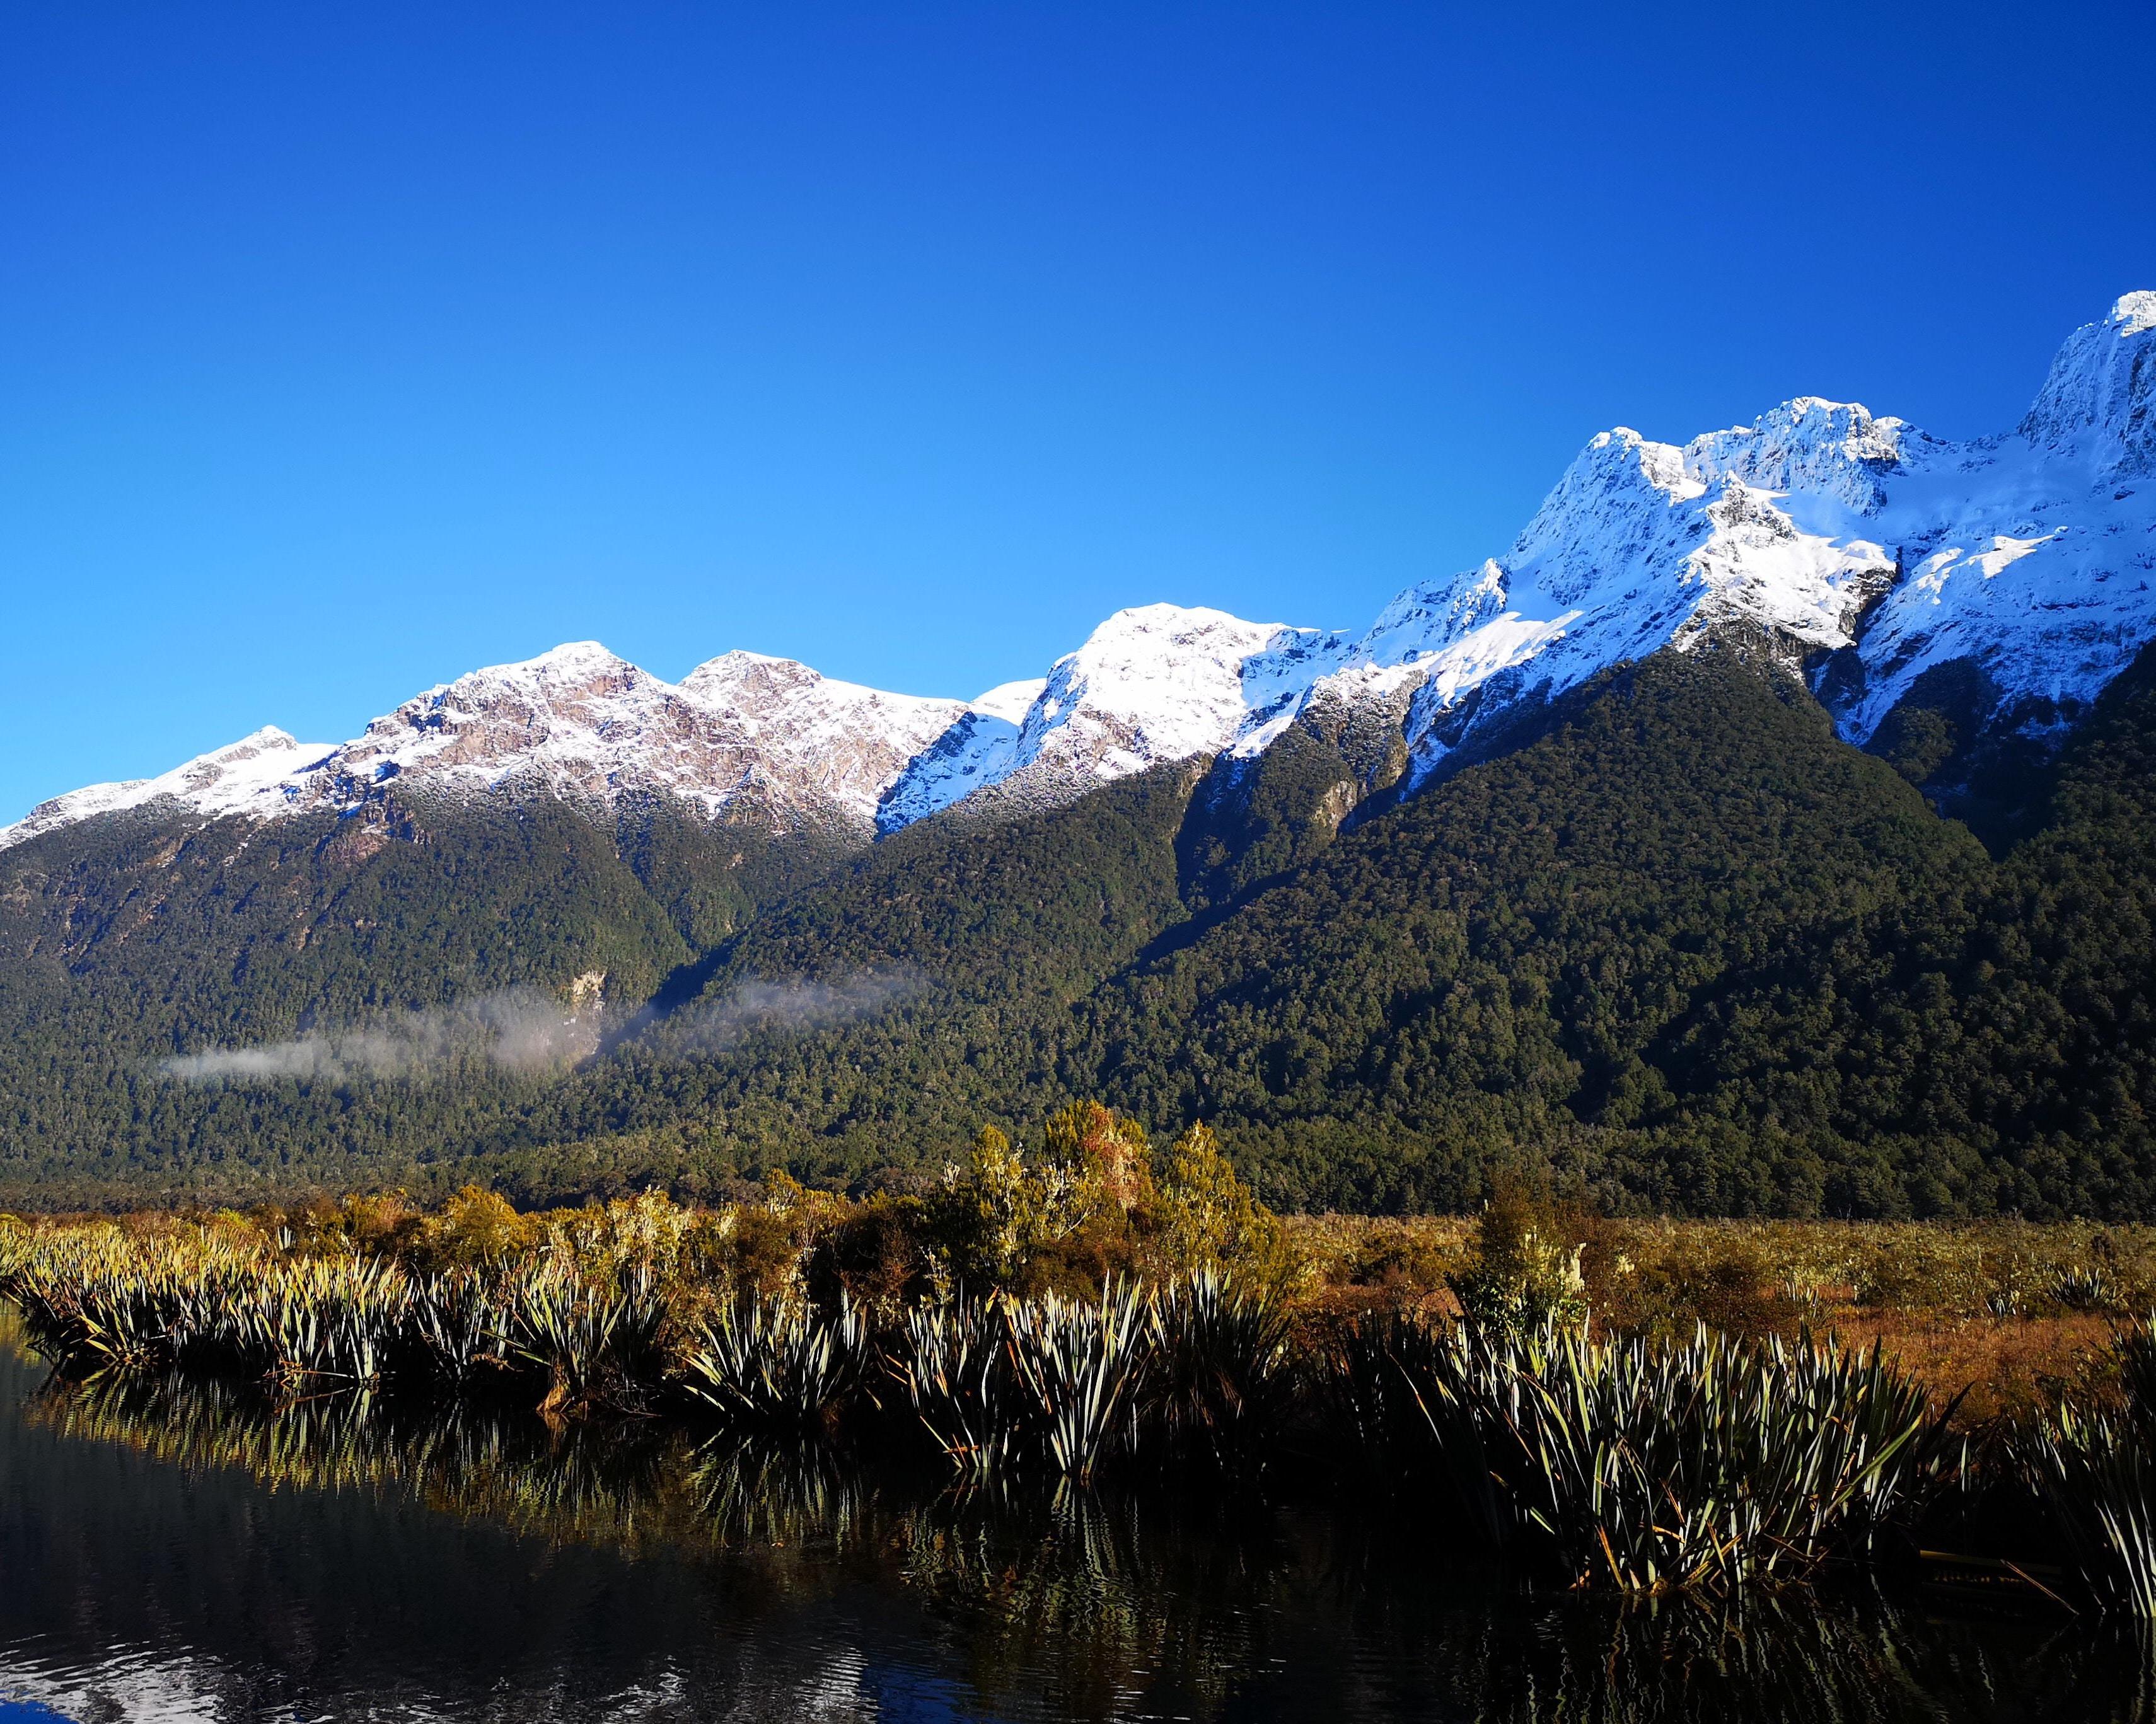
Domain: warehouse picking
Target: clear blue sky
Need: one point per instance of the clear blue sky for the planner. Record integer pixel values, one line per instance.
(345, 347)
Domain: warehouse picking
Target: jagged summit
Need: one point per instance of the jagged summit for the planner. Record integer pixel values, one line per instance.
(258, 773)
(1152, 684)
(1872, 551)
(2099, 402)
(1872, 558)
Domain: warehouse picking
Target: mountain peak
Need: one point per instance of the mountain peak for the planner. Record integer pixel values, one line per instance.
(1149, 639)
(2134, 313)
(259, 774)
(570, 659)
(2098, 404)
(733, 675)
(1010, 701)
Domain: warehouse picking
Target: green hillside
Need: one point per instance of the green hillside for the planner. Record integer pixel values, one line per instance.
(1675, 941)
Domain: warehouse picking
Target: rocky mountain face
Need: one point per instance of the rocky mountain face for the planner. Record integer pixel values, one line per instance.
(583, 726)
(1949, 603)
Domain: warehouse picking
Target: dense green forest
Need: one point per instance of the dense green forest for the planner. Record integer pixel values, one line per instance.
(1675, 941)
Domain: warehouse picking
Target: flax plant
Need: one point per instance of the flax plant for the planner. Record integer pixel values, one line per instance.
(317, 1318)
(598, 1340)
(2095, 1472)
(2095, 1475)
(953, 1361)
(778, 1363)
(1222, 1382)
(1086, 1366)
(1651, 1467)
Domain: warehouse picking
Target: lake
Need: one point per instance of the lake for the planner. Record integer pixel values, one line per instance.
(188, 1551)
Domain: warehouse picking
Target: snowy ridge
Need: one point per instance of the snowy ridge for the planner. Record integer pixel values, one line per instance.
(1860, 543)
(1154, 684)
(590, 727)
(258, 774)
(1865, 551)
(581, 724)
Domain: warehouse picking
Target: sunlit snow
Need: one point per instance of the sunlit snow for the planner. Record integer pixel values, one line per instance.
(2028, 557)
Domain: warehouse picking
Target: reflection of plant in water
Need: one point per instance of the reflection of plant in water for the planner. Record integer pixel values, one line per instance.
(1086, 1594)
(781, 1494)
(1769, 1659)
(577, 1483)
(1071, 1602)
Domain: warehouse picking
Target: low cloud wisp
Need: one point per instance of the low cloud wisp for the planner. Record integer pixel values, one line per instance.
(518, 1029)
(529, 1032)
(755, 1007)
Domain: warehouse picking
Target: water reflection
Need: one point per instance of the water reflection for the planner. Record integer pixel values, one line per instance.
(173, 1550)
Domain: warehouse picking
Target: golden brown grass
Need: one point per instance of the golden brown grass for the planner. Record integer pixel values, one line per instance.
(2010, 1315)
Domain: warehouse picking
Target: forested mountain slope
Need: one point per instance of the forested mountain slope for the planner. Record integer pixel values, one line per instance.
(1637, 850)
(1679, 941)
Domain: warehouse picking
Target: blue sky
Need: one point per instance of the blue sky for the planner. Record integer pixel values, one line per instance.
(345, 347)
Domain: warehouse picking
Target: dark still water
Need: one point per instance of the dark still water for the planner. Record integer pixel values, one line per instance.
(170, 1551)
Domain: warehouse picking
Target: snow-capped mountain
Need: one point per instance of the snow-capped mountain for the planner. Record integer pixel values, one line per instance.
(1864, 551)
(1870, 551)
(254, 776)
(592, 728)
(578, 723)
(1155, 684)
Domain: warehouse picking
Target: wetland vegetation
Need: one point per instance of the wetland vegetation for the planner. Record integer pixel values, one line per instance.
(1636, 1407)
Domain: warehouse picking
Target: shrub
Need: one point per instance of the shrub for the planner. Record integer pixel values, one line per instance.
(1525, 1275)
(475, 1228)
(1206, 1219)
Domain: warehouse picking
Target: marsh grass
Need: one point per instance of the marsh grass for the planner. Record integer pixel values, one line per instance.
(1630, 1406)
